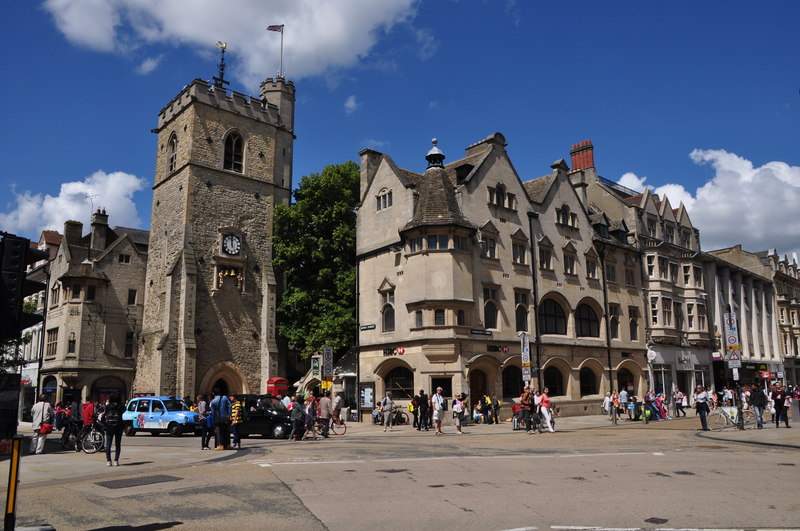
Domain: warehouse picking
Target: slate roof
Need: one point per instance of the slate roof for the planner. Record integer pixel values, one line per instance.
(436, 203)
(140, 237)
(537, 188)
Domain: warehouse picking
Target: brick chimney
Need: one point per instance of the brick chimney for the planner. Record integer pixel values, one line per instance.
(582, 155)
(73, 230)
(99, 230)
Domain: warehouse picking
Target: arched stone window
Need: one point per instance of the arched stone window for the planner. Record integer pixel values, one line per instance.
(234, 153)
(512, 382)
(172, 153)
(551, 318)
(586, 321)
(400, 381)
(554, 380)
(490, 314)
(589, 384)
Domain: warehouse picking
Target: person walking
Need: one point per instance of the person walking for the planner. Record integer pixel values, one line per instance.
(43, 416)
(701, 401)
(424, 411)
(678, 397)
(623, 402)
(310, 410)
(779, 398)
(413, 406)
(338, 404)
(205, 419)
(326, 413)
(236, 420)
(297, 416)
(387, 406)
(221, 409)
(438, 406)
(546, 412)
(758, 400)
(113, 426)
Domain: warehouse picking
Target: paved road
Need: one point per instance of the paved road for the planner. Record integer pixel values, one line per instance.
(662, 475)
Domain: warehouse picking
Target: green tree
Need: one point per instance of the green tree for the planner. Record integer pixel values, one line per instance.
(315, 247)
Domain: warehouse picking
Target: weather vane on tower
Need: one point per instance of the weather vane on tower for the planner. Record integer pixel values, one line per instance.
(220, 81)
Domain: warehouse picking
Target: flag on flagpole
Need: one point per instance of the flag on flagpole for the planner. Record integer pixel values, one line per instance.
(276, 27)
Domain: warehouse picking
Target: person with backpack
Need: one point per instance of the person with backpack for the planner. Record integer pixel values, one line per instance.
(297, 415)
(424, 416)
(221, 408)
(113, 426)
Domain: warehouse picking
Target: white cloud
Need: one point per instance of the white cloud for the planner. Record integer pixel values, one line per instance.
(30, 213)
(740, 203)
(149, 64)
(350, 104)
(427, 45)
(320, 36)
(375, 144)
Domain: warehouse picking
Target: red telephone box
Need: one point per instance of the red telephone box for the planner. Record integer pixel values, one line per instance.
(277, 386)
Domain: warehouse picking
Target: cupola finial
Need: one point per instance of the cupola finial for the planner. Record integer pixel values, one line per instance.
(435, 157)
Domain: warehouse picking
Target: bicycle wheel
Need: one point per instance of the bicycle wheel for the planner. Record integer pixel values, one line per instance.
(717, 420)
(339, 428)
(402, 418)
(749, 418)
(92, 442)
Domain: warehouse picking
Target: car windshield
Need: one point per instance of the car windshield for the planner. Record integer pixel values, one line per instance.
(175, 405)
(277, 405)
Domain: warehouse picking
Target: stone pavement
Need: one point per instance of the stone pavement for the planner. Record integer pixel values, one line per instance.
(149, 454)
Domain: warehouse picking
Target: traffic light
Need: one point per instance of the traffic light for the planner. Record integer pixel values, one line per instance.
(15, 255)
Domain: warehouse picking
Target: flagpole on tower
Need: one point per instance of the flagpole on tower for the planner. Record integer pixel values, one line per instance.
(278, 28)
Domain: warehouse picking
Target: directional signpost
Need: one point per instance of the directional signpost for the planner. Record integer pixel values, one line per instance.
(525, 348)
(327, 367)
(733, 356)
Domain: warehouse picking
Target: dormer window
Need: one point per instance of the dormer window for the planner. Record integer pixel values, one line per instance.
(651, 227)
(383, 200)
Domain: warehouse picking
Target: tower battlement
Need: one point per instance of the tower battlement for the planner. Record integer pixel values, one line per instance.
(200, 91)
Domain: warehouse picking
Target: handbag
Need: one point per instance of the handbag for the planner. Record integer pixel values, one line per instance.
(45, 429)
(209, 420)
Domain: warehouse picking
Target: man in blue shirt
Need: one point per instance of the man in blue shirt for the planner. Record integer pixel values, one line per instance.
(221, 409)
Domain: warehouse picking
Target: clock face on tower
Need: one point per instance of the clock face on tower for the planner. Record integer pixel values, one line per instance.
(231, 244)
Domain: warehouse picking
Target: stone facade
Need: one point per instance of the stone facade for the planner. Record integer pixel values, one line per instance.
(675, 296)
(224, 160)
(448, 282)
(95, 301)
(742, 285)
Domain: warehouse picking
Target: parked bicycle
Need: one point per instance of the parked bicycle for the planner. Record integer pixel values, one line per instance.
(725, 416)
(399, 416)
(93, 439)
(71, 436)
(336, 427)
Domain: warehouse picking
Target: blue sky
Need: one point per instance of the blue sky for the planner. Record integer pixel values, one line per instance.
(699, 100)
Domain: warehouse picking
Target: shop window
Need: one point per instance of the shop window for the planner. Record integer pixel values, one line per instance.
(400, 381)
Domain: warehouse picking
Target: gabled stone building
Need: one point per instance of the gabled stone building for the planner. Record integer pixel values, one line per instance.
(678, 333)
(95, 299)
(448, 283)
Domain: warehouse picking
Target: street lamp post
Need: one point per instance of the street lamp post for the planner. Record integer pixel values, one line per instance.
(601, 251)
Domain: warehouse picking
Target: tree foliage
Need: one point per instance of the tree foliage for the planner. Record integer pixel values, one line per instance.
(315, 248)
(11, 353)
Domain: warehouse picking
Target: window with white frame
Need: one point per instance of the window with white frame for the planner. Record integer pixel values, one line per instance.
(690, 315)
(654, 310)
(651, 227)
(489, 246)
(669, 234)
(666, 310)
(663, 267)
(687, 274)
(651, 265)
(701, 316)
(591, 269)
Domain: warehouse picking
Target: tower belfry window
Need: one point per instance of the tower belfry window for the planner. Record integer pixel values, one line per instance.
(172, 153)
(234, 153)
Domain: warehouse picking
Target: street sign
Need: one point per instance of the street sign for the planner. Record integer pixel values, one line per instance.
(526, 374)
(734, 360)
(315, 363)
(731, 332)
(327, 361)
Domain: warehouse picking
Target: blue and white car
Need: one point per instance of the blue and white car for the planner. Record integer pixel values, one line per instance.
(157, 414)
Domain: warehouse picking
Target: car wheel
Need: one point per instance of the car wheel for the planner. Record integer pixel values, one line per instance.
(279, 431)
(175, 429)
(129, 431)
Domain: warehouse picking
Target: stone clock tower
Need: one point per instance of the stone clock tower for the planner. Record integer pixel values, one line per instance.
(224, 160)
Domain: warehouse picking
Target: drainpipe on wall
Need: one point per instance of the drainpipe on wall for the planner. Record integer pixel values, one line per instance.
(536, 336)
